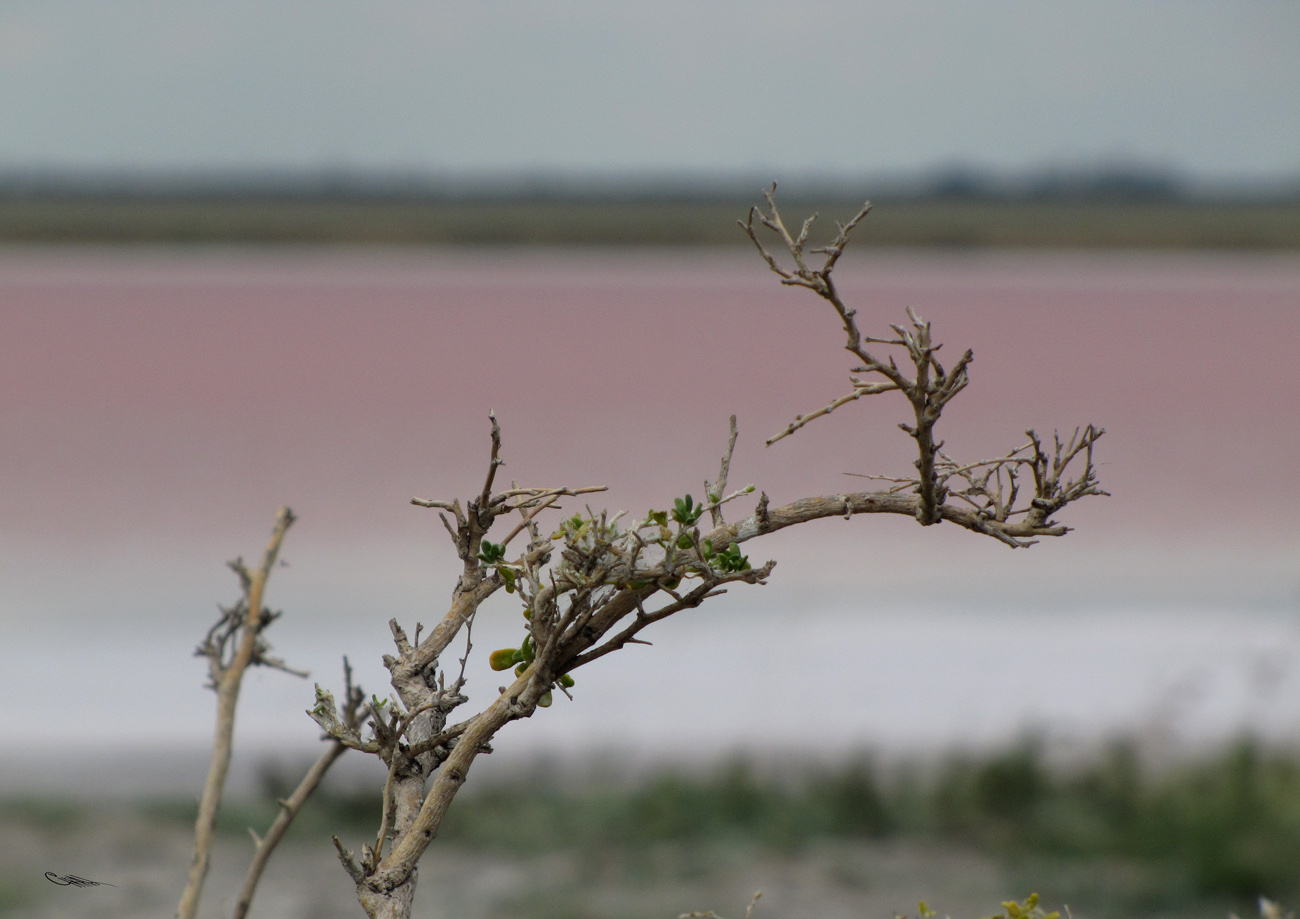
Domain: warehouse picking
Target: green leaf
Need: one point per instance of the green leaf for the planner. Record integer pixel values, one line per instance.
(490, 553)
(731, 559)
(685, 511)
(503, 658)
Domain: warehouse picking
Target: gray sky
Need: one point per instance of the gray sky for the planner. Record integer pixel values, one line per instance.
(1209, 88)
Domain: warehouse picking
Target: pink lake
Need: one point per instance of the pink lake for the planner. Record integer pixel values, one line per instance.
(157, 406)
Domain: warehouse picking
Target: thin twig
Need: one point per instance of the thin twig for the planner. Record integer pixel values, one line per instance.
(290, 807)
(227, 688)
(719, 488)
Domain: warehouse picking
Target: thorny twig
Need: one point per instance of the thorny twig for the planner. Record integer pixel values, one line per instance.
(991, 487)
(930, 388)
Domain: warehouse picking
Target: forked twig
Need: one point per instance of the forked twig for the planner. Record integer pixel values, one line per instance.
(929, 389)
(226, 678)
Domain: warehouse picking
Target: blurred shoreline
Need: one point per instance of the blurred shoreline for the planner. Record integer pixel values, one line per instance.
(1128, 213)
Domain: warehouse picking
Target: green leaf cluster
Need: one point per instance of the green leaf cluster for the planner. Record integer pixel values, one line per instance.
(520, 658)
(493, 555)
(490, 553)
(686, 511)
(588, 536)
(730, 559)
(523, 655)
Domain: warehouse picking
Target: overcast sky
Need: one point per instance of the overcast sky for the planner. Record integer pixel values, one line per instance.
(1205, 87)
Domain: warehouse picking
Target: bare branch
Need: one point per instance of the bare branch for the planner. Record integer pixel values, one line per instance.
(820, 282)
(540, 500)
(349, 862)
(227, 679)
(445, 505)
(494, 463)
(710, 588)
(1014, 533)
(337, 725)
(860, 389)
(990, 493)
(1050, 495)
(538, 493)
(386, 807)
(716, 490)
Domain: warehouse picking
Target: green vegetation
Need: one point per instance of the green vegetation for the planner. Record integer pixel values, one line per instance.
(55, 814)
(1226, 825)
(1110, 832)
(947, 222)
(13, 894)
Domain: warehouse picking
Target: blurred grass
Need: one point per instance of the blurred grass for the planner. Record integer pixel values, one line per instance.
(1161, 224)
(49, 813)
(1111, 831)
(1223, 828)
(13, 894)
(1227, 824)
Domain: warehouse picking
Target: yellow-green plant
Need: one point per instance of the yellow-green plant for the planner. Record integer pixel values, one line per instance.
(1027, 908)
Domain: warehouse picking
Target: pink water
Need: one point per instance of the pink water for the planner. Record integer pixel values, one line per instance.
(148, 387)
(157, 406)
